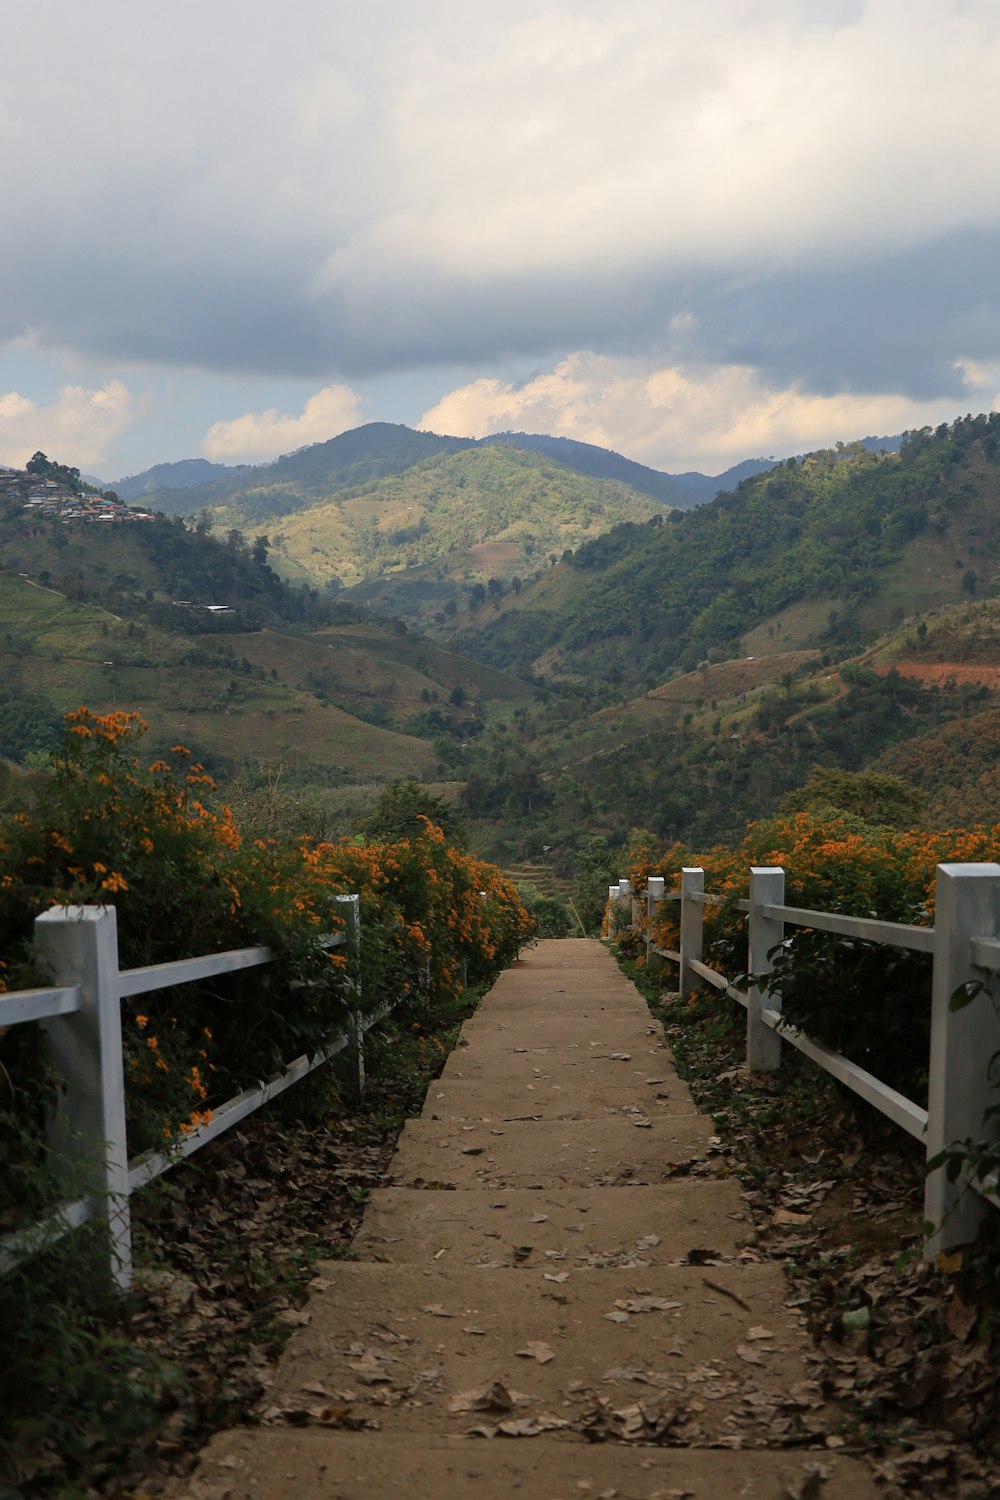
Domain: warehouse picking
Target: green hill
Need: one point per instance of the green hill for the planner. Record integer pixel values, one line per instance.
(359, 457)
(827, 550)
(221, 695)
(116, 616)
(413, 543)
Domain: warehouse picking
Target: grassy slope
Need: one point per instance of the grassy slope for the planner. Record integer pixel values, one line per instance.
(192, 689)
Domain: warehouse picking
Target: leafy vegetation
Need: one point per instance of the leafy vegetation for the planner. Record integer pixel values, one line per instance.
(868, 1001)
(955, 768)
(152, 839)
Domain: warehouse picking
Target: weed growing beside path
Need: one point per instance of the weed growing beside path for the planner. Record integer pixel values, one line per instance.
(909, 1351)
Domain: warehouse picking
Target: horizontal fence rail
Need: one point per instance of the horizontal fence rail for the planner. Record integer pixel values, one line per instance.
(965, 947)
(82, 1019)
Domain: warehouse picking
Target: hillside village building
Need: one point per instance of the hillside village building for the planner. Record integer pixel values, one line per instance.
(55, 501)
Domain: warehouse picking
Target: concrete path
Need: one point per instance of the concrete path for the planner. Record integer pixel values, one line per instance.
(558, 1295)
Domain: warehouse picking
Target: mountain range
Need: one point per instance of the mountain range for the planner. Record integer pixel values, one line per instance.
(674, 669)
(366, 454)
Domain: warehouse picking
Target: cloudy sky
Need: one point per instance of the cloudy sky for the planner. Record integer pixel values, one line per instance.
(693, 233)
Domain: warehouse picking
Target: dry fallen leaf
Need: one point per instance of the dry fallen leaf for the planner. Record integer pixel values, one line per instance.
(646, 1304)
(807, 1485)
(492, 1397)
(960, 1318)
(748, 1355)
(369, 1370)
(536, 1349)
(520, 1427)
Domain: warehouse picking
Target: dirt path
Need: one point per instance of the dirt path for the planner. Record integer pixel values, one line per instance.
(558, 1295)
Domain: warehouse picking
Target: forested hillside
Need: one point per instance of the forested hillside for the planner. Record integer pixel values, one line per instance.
(360, 457)
(421, 539)
(851, 539)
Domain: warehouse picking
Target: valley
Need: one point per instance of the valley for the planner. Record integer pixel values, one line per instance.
(560, 655)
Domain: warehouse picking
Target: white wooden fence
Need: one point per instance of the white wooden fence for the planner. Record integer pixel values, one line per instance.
(965, 944)
(81, 1014)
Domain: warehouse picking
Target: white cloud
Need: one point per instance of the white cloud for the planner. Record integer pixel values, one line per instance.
(262, 435)
(673, 418)
(651, 133)
(79, 428)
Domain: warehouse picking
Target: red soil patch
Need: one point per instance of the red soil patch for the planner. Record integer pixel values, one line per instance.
(940, 672)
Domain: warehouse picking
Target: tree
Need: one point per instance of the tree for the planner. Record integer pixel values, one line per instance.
(882, 800)
(597, 867)
(401, 807)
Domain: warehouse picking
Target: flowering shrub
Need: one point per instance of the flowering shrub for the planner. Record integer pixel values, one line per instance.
(153, 840)
(868, 1001)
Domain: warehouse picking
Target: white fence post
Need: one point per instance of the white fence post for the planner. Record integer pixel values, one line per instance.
(691, 925)
(617, 896)
(967, 906)
(767, 888)
(356, 1029)
(80, 946)
(625, 899)
(654, 895)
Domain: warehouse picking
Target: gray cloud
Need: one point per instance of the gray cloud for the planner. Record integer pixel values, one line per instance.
(333, 193)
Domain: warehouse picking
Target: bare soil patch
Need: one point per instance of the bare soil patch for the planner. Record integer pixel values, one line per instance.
(939, 673)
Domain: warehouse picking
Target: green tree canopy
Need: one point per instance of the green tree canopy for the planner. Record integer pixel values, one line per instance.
(400, 807)
(875, 797)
